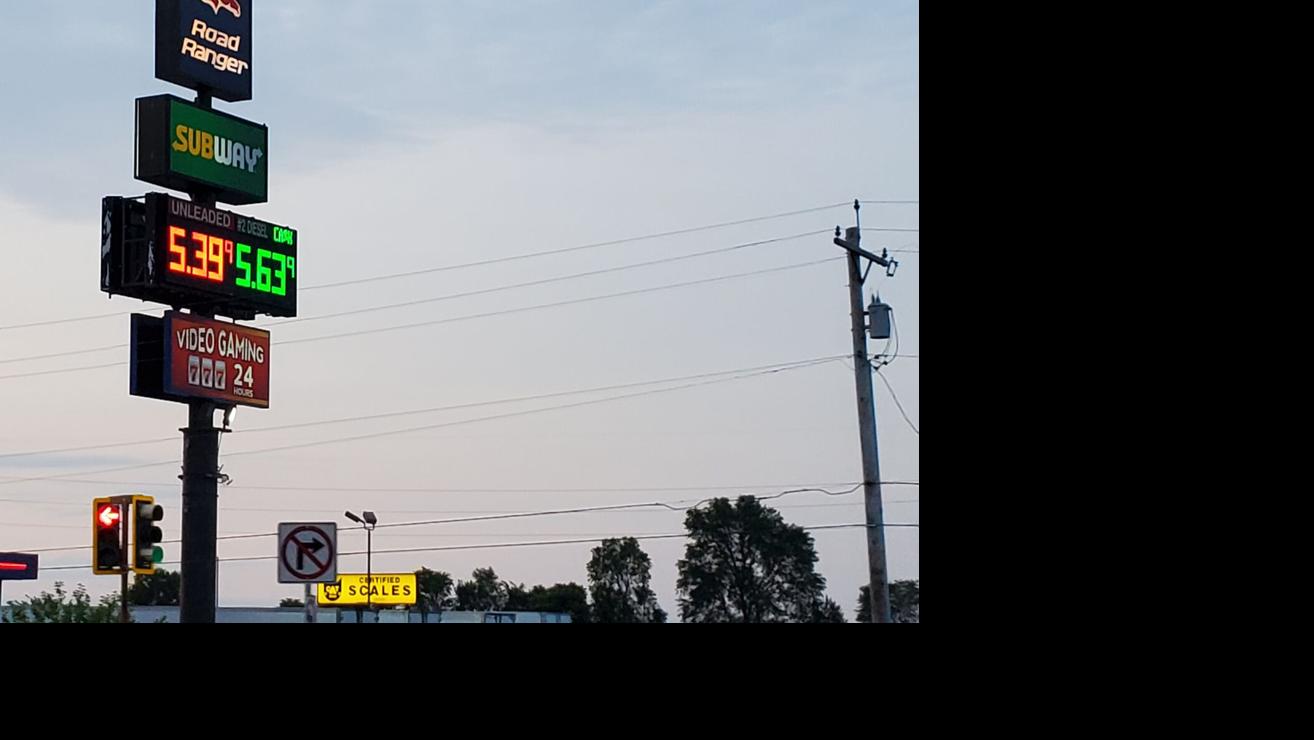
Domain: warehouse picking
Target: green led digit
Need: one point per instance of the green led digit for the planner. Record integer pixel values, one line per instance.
(243, 264)
(280, 273)
(292, 267)
(264, 277)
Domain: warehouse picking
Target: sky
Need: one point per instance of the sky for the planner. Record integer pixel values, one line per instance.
(410, 135)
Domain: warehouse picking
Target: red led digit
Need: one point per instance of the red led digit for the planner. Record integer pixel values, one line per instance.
(177, 254)
(203, 254)
(216, 272)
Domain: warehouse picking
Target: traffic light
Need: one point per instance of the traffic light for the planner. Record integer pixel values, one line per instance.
(145, 534)
(107, 556)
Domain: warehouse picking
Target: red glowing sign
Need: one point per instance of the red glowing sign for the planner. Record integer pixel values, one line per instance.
(217, 360)
(18, 566)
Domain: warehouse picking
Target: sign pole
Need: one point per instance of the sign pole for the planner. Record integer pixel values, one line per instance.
(200, 491)
(200, 520)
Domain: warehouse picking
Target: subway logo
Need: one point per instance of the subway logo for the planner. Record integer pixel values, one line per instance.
(208, 146)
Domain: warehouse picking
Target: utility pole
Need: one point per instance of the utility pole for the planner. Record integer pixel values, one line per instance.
(871, 467)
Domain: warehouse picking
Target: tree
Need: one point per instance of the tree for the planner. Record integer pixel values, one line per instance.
(905, 602)
(291, 604)
(435, 591)
(828, 612)
(160, 588)
(59, 608)
(619, 578)
(483, 594)
(516, 598)
(744, 564)
(563, 598)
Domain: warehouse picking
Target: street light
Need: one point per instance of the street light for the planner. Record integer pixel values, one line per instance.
(368, 523)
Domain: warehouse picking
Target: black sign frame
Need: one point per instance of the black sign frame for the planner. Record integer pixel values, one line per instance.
(174, 41)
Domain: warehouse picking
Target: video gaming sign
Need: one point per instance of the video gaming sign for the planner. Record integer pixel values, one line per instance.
(205, 45)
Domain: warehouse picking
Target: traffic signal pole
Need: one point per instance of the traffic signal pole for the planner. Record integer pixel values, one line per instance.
(124, 618)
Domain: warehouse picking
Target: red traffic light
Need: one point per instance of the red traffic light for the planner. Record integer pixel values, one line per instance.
(109, 515)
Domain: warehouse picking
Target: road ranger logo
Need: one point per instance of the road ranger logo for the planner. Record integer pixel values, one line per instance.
(213, 148)
(232, 6)
(219, 60)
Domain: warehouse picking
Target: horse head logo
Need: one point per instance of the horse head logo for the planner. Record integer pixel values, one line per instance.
(232, 6)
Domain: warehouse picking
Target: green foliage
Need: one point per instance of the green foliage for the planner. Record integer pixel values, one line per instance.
(161, 588)
(619, 581)
(62, 607)
(563, 598)
(744, 564)
(435, 591)
(828, 612)
(485, 593)
(905, 603)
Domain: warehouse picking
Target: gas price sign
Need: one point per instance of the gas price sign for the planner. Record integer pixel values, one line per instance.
(182, 253)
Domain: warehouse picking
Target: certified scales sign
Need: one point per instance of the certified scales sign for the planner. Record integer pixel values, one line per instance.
(387, 589)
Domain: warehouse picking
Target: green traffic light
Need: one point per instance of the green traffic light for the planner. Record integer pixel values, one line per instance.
(157, 555)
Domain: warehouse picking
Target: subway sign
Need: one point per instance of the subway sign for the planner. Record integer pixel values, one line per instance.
(205, 45)
(385, 589)
(167, 250)
(181, 146)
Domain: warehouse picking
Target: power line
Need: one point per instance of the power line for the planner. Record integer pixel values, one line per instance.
(471, 512)
(436, 322)
(64, 371)
(896, 402)
(547, 281)
(572, 302)
(55, 355)
(467, 294)
(480, 491)
(506, 545)
(567, 250)
(418, 412)
(597, 245)
(668, 505)
(426, 427)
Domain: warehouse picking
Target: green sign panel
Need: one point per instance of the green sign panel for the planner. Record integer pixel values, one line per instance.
(183, 147)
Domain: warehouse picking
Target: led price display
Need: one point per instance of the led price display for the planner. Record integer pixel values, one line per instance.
(214, 251)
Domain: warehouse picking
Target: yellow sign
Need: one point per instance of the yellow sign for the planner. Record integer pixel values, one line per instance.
(387, 589)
